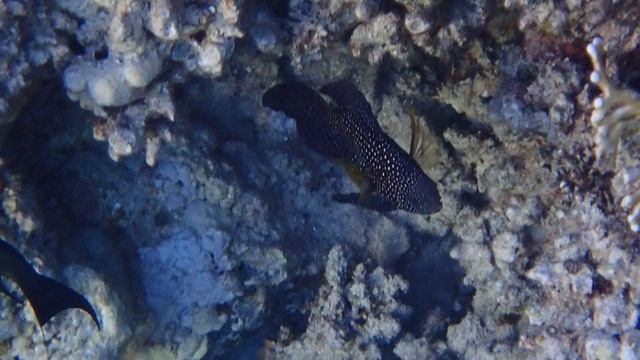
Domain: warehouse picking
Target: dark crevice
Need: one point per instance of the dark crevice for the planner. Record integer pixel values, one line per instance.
(48, 143)
(475, 199)
(432, 69)
(441, 116)
(285, 69)
(435, 284)
(391, 6)
(601, 286)
(531, 242)
(198, 36)
(629, 69)
(279, 8)
(101, 53)
(72, 42)
(345, 37)
(385, 75)
(214, 111)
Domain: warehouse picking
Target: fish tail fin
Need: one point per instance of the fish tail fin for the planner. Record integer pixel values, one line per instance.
(49, 297)
(296, 100)
(312, 115)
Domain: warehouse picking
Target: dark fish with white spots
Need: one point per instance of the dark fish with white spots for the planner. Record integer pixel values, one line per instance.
(347, 130)
(46, 296)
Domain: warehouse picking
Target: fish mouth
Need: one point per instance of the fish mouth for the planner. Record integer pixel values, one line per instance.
(434, 207)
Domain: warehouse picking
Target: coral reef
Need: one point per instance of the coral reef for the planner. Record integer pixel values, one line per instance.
(615, 116)
(198, 37)
(231, 245)
(348, 320)
(71, 335)
(114, 58)
(196, 265)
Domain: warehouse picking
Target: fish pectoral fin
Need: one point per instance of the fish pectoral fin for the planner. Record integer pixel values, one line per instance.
(12, 295)
(416, 136)
(369, 200)
(356, 176)
(375, 202)
(49, 297)
(351, 198)
(347, 95)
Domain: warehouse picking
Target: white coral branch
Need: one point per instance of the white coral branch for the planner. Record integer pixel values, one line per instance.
(616, 113)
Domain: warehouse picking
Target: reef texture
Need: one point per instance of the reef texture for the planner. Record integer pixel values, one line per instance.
(116, 58)
(615, 115)
(348, 320)
(216, 234)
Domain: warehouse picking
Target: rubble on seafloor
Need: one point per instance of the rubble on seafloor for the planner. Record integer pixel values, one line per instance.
(215, 233)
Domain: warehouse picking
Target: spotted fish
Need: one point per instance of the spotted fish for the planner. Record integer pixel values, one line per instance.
(346, 129)
(46, 296)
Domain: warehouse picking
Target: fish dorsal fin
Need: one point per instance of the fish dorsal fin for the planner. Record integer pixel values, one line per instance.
(346, 95)
(356, 176)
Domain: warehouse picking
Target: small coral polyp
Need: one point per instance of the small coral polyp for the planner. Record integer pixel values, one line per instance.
(616, 113)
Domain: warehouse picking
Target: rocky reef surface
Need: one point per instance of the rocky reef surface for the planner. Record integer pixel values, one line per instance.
(138, 166)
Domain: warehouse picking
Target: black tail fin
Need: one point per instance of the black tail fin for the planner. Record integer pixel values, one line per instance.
(312, 114)
(49, 297)
(296, 100)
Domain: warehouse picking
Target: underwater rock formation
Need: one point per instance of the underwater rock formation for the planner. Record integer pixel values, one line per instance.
(114, 59)
(348, 320)
(615, 116)
(232, 245)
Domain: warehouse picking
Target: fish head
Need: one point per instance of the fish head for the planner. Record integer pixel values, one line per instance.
(422, 197)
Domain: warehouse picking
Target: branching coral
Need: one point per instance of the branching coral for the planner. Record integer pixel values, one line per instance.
(128, 54)
(348, 320)
(616, 113)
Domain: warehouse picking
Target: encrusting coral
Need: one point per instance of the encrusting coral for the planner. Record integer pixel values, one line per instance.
(199, 38)
(616, 115)
(348, 320)
(117, 59)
